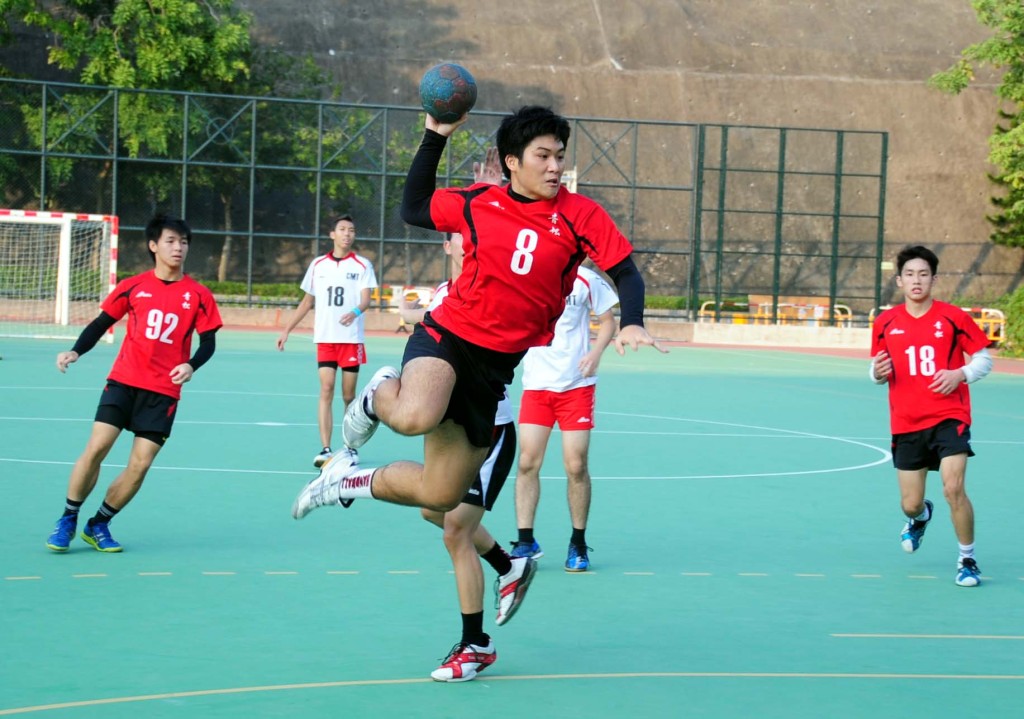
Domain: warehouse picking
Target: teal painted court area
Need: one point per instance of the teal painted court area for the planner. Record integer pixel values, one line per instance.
(746, 556)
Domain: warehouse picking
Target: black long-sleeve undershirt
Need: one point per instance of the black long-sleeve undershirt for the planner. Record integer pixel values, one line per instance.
(421, 181)
(94, 331)
(629, 283)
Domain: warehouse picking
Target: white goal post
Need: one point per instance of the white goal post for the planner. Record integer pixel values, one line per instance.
(55, 270)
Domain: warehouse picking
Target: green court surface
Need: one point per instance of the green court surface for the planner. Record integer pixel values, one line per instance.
(746, 557)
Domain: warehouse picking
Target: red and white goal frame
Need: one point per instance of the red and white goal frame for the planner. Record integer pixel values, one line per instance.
(55, 270)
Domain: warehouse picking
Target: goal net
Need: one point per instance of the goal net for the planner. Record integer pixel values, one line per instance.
(55, 269)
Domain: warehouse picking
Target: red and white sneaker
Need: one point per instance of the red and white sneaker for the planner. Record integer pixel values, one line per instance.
(510, 589)
(464, 662)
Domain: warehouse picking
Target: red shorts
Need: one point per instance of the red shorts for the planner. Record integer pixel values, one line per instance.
(340, 355)
(573, 410)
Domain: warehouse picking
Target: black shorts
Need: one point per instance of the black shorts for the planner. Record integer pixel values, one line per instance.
(925, 449)
(481, 376)
(149, 415)
(488, 483)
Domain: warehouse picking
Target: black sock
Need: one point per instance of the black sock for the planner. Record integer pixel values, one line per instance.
(579, 537)
(71, 508)
(526, 535)
(473, 629)
(104, 515)
(497, 558)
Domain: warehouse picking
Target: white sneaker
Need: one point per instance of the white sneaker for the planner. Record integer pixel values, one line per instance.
(321, 459)
(510, 589)
(358, 426)
(326, 488)
(464, 662)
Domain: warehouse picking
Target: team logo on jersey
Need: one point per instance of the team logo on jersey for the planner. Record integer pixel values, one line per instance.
(142, 293)
(938, 334)
(495, 203)
(352, 276)
(554, 225)
(186, 301)
(896, 331)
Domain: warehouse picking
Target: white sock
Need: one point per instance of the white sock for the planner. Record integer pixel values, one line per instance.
(357, 485)
(967, 551)
(923, 516)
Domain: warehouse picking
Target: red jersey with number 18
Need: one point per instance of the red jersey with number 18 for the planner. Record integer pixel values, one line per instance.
(161, 319)
(920, 347)
(520, 261)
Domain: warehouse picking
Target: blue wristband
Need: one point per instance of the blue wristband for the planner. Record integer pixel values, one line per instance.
(357, 312)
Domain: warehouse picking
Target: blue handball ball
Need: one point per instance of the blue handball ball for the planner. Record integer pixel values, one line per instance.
(447, 91)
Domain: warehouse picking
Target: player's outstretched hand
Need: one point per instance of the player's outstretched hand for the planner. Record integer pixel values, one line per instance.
(444, 128)
(489, 170)
(281, 339)
(66, 358)
(182, 373)
(634, 336)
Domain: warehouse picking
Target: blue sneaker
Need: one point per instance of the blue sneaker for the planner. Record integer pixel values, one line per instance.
(967, 573)
(98, 536)
(530, 550)
(577, 561)
(913, 531)
(63, 533)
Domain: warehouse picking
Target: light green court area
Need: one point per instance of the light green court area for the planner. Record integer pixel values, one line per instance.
(746, 557)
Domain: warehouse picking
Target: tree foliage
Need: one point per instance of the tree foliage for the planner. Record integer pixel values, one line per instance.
(1004, 51)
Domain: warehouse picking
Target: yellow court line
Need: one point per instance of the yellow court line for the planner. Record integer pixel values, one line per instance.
(929, 636)
(531, 677)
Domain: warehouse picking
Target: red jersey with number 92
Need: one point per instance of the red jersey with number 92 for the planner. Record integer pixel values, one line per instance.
(161, 319)
(920, 347)
(520, 261)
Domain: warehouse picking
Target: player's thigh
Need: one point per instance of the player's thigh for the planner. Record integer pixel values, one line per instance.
(450, 463)
(533, 442)
(464, 519)
(327, 374)
(912, 484)
(953, 470)
(144, 451)
(102, 438)
(426, 388)
(575, 447)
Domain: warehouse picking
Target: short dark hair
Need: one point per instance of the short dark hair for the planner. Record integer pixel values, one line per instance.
(338, 218)
(156, 226)
(524, 125)
(916, 252)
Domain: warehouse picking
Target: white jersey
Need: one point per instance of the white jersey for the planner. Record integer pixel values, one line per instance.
(504, 414)
(556, 367)
(337, 287)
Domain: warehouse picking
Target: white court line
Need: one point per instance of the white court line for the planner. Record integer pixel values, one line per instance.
(930, 636)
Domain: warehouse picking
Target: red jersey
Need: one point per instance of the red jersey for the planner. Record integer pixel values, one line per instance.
(920, 347)
(520, 261)
(161, 319)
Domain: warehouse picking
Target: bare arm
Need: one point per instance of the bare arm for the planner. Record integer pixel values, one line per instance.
(605, 332)
(305, 305)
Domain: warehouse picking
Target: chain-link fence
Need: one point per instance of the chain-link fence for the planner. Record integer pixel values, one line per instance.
(715, 212)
